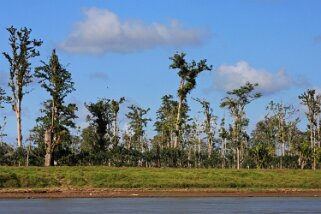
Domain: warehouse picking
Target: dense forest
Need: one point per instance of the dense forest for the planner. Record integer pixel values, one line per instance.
(180, 140)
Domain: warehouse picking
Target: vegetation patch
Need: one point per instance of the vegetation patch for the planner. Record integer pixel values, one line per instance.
(161, 178)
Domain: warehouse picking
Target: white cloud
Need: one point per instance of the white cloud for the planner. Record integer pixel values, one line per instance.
(102, 32)
(229, 77)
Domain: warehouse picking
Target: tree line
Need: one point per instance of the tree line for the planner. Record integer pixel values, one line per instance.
(180, 140)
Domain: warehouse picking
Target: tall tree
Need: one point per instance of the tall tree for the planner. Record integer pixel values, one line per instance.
(312, 101)
(188, 73)
(281, 115)
(115, 107)
(165, 121)
(263, 141)
(101, 119)
(58, 115)
(137, 124)
(223, 134)
(194, 141)
(210, 121)
(236, 101)
(23, 50)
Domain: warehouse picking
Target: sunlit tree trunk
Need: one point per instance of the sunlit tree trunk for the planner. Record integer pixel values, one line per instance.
(178, 118)
(223, 152)
(48, 143)
(19, 135)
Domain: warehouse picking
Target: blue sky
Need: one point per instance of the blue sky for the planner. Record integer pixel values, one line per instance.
(121, 48)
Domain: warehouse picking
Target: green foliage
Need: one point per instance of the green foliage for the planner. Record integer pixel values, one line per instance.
(23, 50)
(115, 107)
(9, 180)
(99, 133)
(209, 124)
(236, 101)
(26, 178)
(3, 98)
(312, 101)
(6, 151)
(57, 116)
(240, 97)
(180, 141)
(137, 124)
(56, 80)
(166, 120)
(188, 72)
(20, 73)
(115, 104)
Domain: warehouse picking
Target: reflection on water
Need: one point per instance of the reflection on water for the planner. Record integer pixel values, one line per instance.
(162, 205)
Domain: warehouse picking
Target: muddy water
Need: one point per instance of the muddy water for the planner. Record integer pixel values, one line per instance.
(162, 205)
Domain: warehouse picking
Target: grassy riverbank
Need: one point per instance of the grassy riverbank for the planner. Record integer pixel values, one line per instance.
(167, 178)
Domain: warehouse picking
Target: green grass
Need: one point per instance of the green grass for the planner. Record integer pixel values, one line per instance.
(109, 177)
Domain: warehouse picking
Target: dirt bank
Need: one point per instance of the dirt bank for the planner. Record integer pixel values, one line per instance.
(136, 193)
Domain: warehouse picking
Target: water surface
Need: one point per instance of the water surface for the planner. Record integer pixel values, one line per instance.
(162, 205)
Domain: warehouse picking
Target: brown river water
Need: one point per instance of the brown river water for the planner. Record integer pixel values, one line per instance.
(255, 205)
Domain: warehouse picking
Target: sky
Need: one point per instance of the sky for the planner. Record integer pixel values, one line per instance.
(121, 48)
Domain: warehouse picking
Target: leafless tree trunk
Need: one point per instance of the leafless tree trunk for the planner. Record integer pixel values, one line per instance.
(178, 119)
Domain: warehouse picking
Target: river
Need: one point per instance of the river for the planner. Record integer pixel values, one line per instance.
(162, 205)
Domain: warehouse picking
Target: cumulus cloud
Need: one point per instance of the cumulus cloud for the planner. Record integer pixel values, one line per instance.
(98, 75)
(103, 32)
(229, 77)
